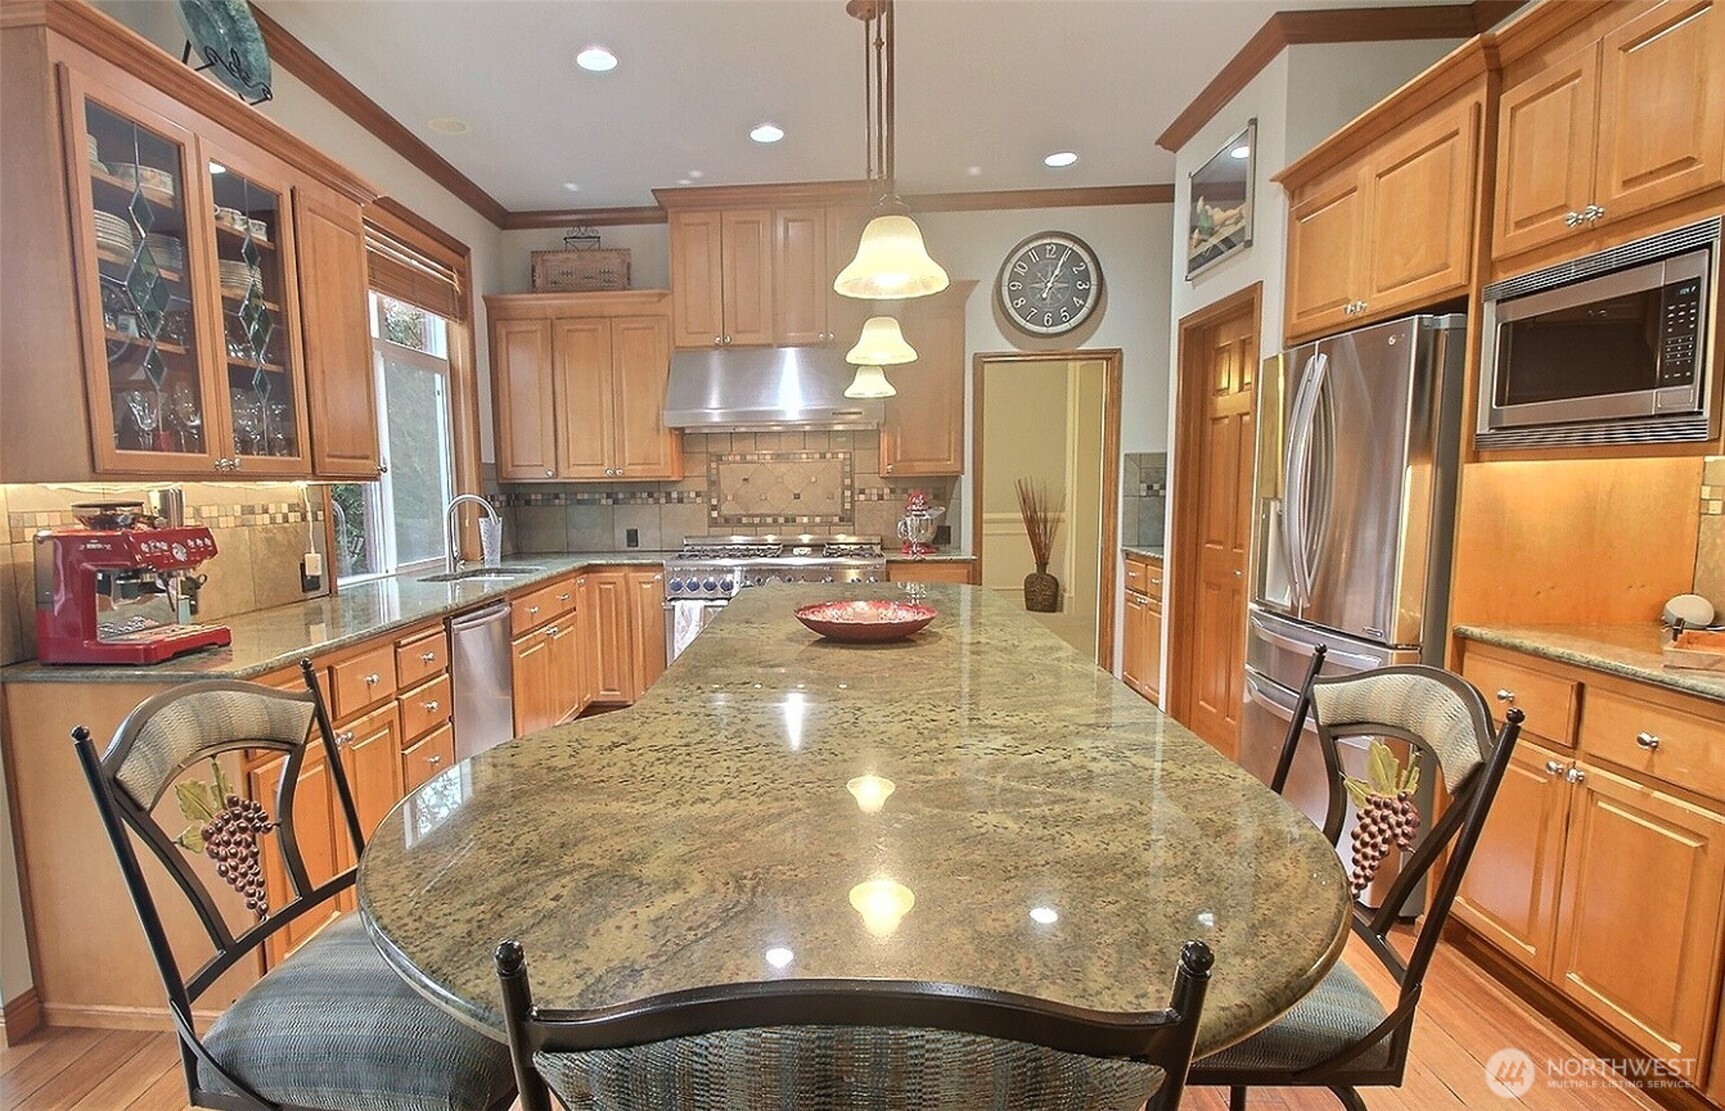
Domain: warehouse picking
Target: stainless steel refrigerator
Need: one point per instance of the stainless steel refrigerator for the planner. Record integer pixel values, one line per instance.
(1356, 473)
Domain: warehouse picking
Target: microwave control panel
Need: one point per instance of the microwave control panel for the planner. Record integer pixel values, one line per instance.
(1680, 331)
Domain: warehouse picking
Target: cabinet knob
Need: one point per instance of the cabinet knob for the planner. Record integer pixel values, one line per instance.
(727, 341)
(373, 679)
(1648, 741)
(428, 657)
(1554, 767)
(532, 611)
(1575, 775)
(563, 597)
(718, 341)
(889, 468)
(434, 759)
(1504, 694)
(344, 738)
(547, 472)
(430, 707)
(550, 630)
(1592, 213)
(1572, 219)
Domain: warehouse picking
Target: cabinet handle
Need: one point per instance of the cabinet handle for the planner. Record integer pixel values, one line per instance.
(434, 759)
(1575, 775)
(344, 738)
(372, 679)
(727, 341)
(564, 597)
(1592, 213)
(1554, 767)
(1648, 741)
(1572, 219)
(430, 707)
(1504, 694)
(427, 657)
(550, 630)
(383, 468)
(532, 611)
(718, 341)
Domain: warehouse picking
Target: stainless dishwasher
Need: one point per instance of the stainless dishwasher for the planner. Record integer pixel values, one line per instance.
(479, 670)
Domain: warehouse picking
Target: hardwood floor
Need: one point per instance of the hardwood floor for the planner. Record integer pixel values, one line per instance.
(1465, 1018)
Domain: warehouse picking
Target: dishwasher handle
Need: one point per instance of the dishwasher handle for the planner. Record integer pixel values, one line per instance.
(479, 617)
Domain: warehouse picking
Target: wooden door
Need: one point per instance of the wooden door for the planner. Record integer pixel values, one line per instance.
(612, 663)
(640, 371)
(1661, 107)
(1420, 205)
(1545, 148)
(586, 404)
(335, 316)
(533, 680)
(371, 756)
(801, 285)
(1326, 226)
(747, 278)
(697, 280)
(319, 831)
(1639, 915)
(1133, 654)
(1225, 362)
(923, 430)
(647, 630)
(523, 400)
(1509, 892)
(563, 643)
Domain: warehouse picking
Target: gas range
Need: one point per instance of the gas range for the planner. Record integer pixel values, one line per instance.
(716, 568)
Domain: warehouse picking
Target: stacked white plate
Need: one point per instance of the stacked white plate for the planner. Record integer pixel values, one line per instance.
(169, 252)
(147, 176)
(236, 277)
(114, 234)
(95, 154)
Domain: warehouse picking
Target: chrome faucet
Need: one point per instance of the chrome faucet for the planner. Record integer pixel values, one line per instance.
(452, 541)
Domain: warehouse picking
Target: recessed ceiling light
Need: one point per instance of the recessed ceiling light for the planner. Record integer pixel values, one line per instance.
(449, 125)
(684, 181)
(1241, 151)
(597, 59)
(974, 171)
(697, 174)
(1060, 158)
(767, 133)
(573, 187)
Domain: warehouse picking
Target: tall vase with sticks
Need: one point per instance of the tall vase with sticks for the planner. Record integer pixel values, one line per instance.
(1041, 515)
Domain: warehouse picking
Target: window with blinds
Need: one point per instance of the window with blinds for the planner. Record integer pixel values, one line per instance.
(402, 272)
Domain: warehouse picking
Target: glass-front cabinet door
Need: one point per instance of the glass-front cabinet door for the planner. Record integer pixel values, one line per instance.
(146, 332)
(262, 386)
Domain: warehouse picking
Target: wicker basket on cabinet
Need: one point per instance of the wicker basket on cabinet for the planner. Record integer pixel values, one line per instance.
(580, 271)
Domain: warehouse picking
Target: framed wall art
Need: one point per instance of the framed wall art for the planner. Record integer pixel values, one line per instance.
(1219, 219)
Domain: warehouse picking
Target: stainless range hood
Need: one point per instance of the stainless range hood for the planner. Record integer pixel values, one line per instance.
(760, 389)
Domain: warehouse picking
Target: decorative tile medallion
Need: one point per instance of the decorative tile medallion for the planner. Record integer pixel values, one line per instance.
(780, 488)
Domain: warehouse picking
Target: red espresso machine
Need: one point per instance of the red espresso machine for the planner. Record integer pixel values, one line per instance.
(121, 594)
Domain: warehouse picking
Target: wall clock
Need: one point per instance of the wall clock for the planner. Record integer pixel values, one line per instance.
(1049, 284)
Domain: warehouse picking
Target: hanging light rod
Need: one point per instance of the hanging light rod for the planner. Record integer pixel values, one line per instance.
(891, 261)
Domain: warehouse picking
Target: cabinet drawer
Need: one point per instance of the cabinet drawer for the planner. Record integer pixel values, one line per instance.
(1137, 575)
(421, 657)
(536, 608)
(424, 707)
(427, 758)
(1153, 581)
(1681, 748)
(361, 682)
(1548, 701)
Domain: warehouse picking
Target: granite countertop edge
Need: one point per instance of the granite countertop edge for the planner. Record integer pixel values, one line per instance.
(346, 629)
(1627, 651)
(933, 557)
(1142, 553)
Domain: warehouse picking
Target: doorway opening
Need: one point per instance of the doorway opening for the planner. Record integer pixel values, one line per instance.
(1052, 418)
(1215, 442)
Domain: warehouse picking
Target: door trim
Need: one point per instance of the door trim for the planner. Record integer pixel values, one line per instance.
(1110, 357)
(1182, 552)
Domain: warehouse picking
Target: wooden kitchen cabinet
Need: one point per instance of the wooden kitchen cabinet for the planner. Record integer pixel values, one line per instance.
(923, 429)
(612, 661)
(1628, 121)
(135, 322)
(647, 629)
(1141, 641)
(578, 387)
(547, 684)
(1389, 226)
(956, 572)
(319, 831)
(564, 638)
(722, 277)
(428, 757)
(371, 757)
(534, 676)
(802, 280)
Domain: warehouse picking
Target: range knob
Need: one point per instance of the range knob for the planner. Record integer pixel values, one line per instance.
(709, 585)
(674, 585)
(726, 585)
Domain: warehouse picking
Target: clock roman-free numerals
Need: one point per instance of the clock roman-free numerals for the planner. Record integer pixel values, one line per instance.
(1049, 284)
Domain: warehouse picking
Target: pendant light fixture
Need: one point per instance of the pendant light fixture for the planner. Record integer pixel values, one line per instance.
(870, 382)
(881, 344)
(891, 262)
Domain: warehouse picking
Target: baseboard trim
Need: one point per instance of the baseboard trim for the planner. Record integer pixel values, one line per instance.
(101, 1017)
(1548, 1002)
(20, 1017)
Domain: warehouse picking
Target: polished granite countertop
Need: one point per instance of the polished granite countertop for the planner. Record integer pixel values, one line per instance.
(1630, 651)
(932, 557)
(1054, 833)
(1143, 553)
(270, 640)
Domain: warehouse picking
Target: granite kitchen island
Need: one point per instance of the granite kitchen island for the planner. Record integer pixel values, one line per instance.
(979, 806)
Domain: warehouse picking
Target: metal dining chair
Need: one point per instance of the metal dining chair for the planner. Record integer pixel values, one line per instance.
(814, 1045)
(1340, 1036)
(332, 1026)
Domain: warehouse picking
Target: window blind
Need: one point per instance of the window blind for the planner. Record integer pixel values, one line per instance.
(398, 269)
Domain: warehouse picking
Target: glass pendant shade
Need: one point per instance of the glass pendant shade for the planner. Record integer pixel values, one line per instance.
(881, 344)
(870, 382)
(891, 263)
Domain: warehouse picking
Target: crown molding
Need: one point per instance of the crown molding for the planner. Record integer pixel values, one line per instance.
(323, 79)
(1326, 25)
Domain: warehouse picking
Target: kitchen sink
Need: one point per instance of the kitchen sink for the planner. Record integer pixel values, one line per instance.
(483, 574)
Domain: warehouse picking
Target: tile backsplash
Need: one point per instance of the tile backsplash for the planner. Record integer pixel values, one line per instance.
(1710, 545)
(750, 483)
(261, 532)
(1143, 498)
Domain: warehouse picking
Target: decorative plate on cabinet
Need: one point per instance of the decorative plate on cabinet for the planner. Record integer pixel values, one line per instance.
(225, 35)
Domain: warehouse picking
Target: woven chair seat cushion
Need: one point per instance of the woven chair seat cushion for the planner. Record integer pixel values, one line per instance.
(1332, 1017)
(867, 1068)
(334, 1026)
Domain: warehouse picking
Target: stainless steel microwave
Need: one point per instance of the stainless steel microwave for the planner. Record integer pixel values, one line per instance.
(1613, 348)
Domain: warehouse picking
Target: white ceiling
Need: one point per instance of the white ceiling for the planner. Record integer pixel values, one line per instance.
(986, 88)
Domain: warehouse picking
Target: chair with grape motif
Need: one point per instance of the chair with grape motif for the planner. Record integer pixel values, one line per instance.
(332, 1026)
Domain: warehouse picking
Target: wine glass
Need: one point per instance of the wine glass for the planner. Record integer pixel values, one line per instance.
(188, 415)
(278, 425)
(146, 407)
(248, 422)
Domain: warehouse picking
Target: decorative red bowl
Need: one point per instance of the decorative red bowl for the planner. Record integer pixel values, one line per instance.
(866, 620)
